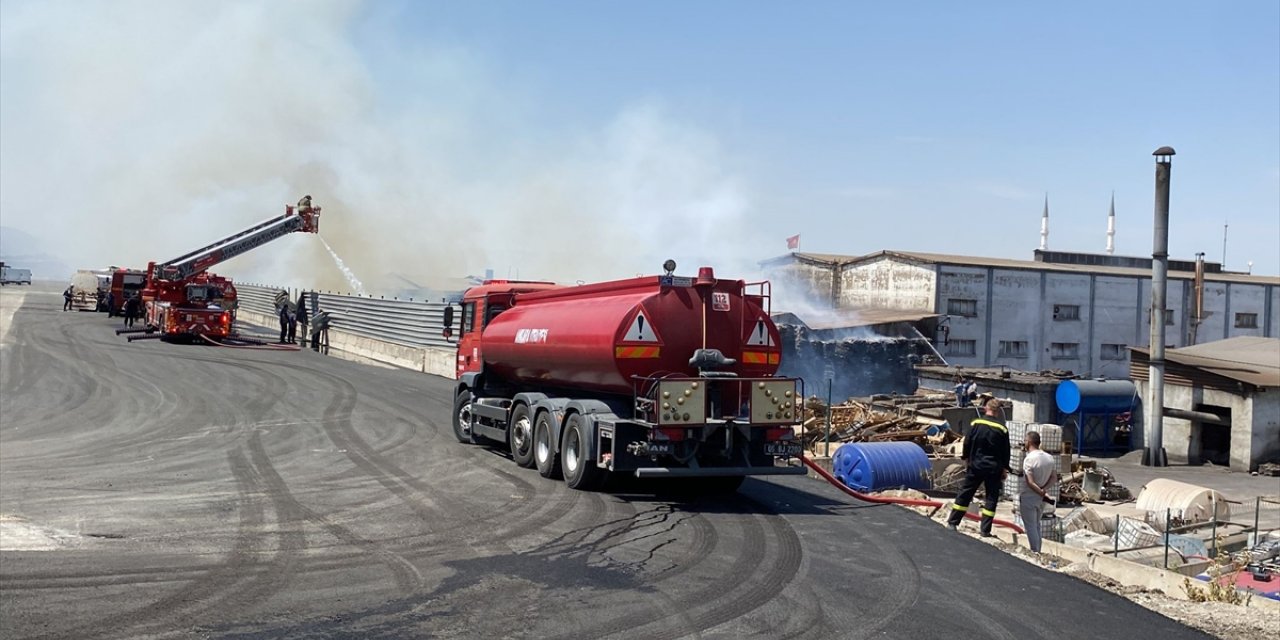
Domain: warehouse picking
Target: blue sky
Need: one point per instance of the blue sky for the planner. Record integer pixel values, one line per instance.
(850, 118)
(583, 140)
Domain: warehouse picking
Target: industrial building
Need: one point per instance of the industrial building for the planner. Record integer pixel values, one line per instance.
(1221, 401)
(1062, 311)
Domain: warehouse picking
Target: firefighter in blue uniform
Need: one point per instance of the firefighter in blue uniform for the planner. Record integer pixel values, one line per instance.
(986, 454)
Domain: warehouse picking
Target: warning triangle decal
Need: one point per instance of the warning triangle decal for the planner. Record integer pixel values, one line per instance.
(640, 330)
(760, 336)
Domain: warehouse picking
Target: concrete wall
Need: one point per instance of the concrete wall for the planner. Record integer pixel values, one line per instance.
(1266, 427)
(887, 283)
(1116, 320)
(1062, 290)
(1030, 404)
(433, 360)
(1255, 424)
(1016, 316)
(798, 285)
(967, 283)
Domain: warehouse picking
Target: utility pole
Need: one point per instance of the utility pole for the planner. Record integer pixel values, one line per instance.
(1154, 454)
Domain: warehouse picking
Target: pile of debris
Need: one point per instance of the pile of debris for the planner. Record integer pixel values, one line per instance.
(1089, 482)
(855, 421)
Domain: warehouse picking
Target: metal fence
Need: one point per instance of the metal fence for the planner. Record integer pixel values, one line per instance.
(407, 322)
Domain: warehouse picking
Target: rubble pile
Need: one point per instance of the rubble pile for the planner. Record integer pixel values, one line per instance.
(856, 421)
(1077, 488)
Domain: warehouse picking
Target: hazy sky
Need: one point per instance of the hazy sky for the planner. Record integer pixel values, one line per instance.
(585, 140)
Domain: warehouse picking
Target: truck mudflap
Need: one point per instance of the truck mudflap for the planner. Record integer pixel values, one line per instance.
(711, 472)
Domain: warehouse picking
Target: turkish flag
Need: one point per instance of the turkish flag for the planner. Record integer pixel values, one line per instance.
(793, 242)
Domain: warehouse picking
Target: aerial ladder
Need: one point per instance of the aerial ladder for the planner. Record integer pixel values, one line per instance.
(181, 299)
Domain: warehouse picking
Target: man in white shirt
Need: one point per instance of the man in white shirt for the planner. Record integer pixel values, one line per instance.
(1039, 474)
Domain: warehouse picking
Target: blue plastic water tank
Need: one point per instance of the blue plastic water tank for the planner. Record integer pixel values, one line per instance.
(1095, 396)
(873, 466)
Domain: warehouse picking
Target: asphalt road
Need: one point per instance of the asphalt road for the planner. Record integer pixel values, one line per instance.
(158, 490)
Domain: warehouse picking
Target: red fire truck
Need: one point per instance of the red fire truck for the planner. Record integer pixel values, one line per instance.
(183, 300)
(656, 377)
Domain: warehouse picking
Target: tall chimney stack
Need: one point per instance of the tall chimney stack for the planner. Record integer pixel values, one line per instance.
(1154, 454)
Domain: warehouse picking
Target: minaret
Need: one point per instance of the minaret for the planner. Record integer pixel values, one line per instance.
(1111, 226)
(1044, 226)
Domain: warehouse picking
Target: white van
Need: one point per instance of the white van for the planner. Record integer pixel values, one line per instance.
(10, 275)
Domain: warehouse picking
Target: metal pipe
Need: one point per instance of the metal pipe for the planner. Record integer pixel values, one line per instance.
(828, 438)
(1116, 539)
(1198, 416)
(1154, 454)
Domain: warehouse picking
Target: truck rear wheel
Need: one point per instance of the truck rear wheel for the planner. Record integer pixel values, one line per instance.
(580, 470)
(520, 436)
(462, 417)
(544, 455)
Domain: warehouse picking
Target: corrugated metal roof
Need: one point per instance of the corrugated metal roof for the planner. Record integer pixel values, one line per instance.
(1251, 360)
(1032, 265)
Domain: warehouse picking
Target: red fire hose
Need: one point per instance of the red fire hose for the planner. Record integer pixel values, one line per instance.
(910, 502)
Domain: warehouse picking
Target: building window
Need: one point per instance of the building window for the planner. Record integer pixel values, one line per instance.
(1066, 312)
(1246, 321)
(962, 307)
(1064, 350)
(962, 348)
(1013, 348)
(1114, 351)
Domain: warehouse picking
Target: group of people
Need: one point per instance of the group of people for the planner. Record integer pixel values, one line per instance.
(987, 454)
(130, 311)
(290, 317)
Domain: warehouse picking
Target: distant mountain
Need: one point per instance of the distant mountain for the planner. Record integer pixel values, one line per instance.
(24, 251)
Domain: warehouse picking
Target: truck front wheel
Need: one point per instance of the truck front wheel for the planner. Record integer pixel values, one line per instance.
(580, 470)
(462, 417)
(544, 455)
(520, 436)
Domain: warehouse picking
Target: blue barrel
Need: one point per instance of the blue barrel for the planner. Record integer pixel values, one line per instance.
(873, 466)
(1095, 396)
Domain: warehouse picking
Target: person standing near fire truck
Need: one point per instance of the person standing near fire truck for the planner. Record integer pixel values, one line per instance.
(301, 313)
(285, 318)
(986, 454)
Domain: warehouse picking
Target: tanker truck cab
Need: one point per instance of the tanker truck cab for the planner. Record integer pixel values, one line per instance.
(653, 377)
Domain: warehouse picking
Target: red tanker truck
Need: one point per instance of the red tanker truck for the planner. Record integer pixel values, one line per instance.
(656, 377)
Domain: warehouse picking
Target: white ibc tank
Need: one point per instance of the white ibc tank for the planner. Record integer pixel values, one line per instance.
(1190, 502)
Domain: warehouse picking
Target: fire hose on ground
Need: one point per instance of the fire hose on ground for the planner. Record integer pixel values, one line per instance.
(254, 344)
(909, 502)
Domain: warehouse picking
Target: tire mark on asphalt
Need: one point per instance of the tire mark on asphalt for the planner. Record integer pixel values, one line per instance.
(242, 562)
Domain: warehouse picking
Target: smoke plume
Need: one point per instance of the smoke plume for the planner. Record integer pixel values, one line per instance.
(133, 131)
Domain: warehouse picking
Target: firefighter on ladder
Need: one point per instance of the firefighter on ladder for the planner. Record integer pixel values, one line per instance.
(986, 454)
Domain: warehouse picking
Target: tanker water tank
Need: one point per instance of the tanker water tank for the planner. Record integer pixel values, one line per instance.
(874, 466)
(1096, 396)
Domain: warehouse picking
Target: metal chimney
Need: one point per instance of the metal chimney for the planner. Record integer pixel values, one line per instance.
(1154, 454)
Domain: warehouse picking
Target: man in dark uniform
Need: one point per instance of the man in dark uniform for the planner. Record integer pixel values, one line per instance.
(986, 453)
(285, 317)
(131, 308)
(302, 316)
(66, 298)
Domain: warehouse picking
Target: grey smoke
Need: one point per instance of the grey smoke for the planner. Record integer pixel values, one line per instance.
(134, 131)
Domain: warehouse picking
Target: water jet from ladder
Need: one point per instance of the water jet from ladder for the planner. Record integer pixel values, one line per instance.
(355, 283)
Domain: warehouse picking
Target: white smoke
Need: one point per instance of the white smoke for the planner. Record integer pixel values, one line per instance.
(133, 131)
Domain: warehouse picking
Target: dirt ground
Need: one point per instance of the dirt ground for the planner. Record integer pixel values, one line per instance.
(1219, 619)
